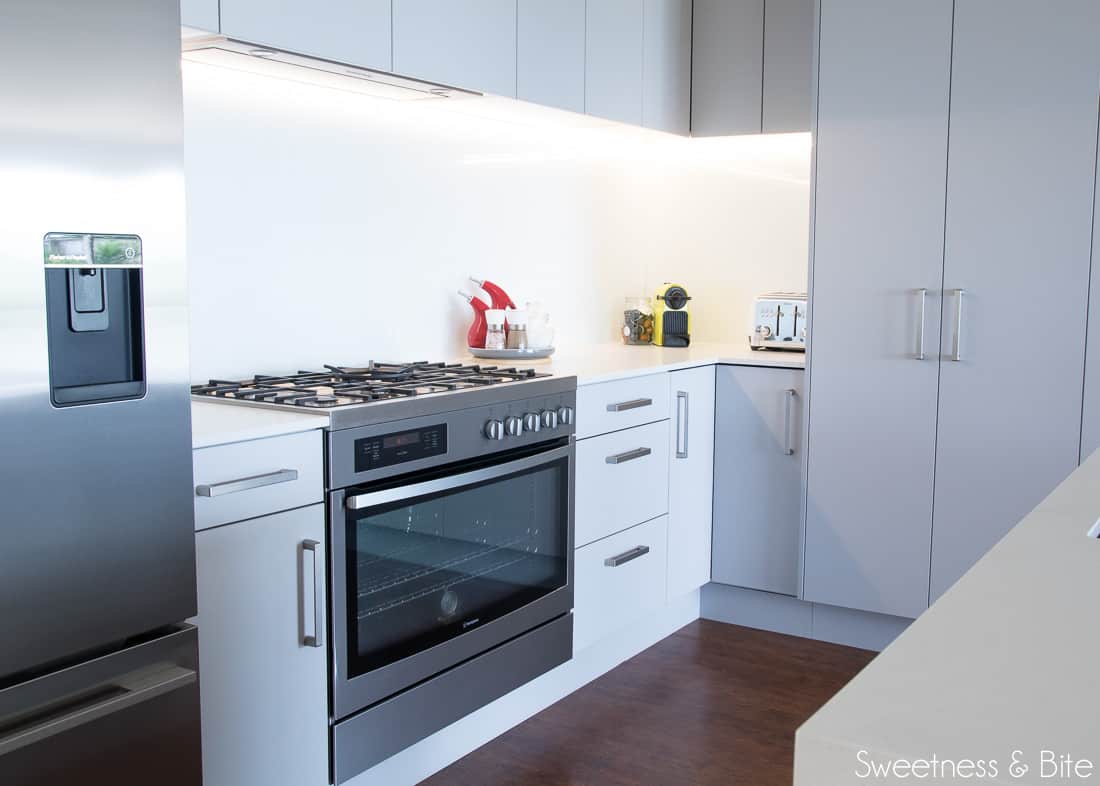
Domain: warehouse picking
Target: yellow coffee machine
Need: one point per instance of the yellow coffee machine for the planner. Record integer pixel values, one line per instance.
(671, 322)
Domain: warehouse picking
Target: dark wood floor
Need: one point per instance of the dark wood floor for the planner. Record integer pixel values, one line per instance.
(711, 704)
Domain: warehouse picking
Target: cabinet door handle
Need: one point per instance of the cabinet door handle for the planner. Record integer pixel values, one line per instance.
(244, 484)
(626, 556)
(922, 293)
(316, 638)
(788, 447)
(630, 455)
(681, 424)
(636, 403)
(956, 339)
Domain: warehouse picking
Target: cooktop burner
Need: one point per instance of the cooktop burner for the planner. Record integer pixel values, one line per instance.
(341, 386)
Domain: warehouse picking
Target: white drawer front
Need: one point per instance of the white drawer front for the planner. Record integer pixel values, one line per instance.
(247, 479)
(610, 406)
(621, 480)
(609, 597)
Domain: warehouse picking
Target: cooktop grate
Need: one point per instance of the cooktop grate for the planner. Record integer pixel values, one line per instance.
(341, 386)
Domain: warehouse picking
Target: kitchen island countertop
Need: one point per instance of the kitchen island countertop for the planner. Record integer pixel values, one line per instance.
(1003, 667)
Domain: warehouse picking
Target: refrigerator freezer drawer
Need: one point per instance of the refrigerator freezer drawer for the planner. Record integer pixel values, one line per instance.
(129, 718)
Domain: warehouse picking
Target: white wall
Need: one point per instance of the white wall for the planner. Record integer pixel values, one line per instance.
(330, 227)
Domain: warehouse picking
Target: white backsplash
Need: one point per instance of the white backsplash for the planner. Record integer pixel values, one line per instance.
(330, 227)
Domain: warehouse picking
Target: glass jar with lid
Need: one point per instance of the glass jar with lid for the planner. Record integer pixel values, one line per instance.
(637, 326)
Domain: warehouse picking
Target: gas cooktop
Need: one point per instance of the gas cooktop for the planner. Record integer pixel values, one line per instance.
(341, 386)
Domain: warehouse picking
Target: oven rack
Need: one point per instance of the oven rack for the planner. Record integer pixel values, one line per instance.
(408, 544)
(405, 571)
(444, 585)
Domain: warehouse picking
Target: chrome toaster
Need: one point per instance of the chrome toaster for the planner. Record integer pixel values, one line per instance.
(779, 321)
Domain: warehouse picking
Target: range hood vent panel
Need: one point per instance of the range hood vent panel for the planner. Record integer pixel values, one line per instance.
(269, 61)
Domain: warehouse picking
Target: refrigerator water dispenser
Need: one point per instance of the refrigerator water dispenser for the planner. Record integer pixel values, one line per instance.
(94, 318)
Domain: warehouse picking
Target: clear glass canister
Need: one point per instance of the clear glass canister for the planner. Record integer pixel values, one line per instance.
(637, 321)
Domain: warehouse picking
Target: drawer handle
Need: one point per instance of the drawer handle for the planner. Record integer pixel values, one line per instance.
(636, 403)
(626, 556)
(244, 484)
(630, 455)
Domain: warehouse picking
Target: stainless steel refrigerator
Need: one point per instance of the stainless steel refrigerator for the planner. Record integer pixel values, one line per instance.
(98, 669)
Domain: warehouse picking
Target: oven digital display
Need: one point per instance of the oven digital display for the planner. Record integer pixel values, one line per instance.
(386, 450)
(401, 440)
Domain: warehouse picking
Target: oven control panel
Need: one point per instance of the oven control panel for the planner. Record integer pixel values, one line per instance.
(385, 450)
(516, 425)
(475, 424)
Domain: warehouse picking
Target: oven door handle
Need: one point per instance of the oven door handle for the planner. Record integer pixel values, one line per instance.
(398, 493)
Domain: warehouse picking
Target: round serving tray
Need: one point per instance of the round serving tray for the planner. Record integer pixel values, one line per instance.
(511, 354)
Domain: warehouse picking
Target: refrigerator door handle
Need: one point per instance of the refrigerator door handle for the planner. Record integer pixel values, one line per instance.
(127, 691)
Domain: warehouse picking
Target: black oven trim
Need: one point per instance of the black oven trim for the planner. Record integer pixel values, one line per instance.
(358, 665)
(352, 694)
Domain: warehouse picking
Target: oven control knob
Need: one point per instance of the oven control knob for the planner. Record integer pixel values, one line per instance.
(565, 415)
(494, 429)
(549, 418)
(531, 422)
(513, 426)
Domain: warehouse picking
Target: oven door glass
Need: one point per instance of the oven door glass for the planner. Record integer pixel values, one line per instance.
(427, 568)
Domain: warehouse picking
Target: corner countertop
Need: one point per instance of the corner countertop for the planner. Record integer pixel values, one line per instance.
(1006, 660)
(213, 423)
(608, 362)
(218, 424)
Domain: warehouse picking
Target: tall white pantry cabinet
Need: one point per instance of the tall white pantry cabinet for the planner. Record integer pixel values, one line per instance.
(955, 170)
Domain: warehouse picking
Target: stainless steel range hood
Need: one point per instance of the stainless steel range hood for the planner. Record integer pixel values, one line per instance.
(265, 60)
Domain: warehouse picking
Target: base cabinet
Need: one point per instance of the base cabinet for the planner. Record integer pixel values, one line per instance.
(264, 690)
(617, 580)
(690, 478)
(758, 478)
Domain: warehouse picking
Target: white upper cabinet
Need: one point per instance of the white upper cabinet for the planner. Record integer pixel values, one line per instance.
(666, 70)
(752, 64)
(464, 43)
(349, 31)
(727, 67)
(788, 65)
(202, 14)
(613, 60)
(550, 53)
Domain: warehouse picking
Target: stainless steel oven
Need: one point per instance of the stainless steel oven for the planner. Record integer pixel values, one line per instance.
(451, 567)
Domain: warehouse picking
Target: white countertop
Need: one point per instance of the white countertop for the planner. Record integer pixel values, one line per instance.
(606, 362)
(1007, 660)
(213, 423)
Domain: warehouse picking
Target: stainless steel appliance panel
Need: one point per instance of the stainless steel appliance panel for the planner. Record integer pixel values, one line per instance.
(96, 499)
(393, 725)
(126, 719)
(465, 428)
(354, 690)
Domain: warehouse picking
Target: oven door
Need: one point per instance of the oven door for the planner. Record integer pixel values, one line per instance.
(434, 568)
